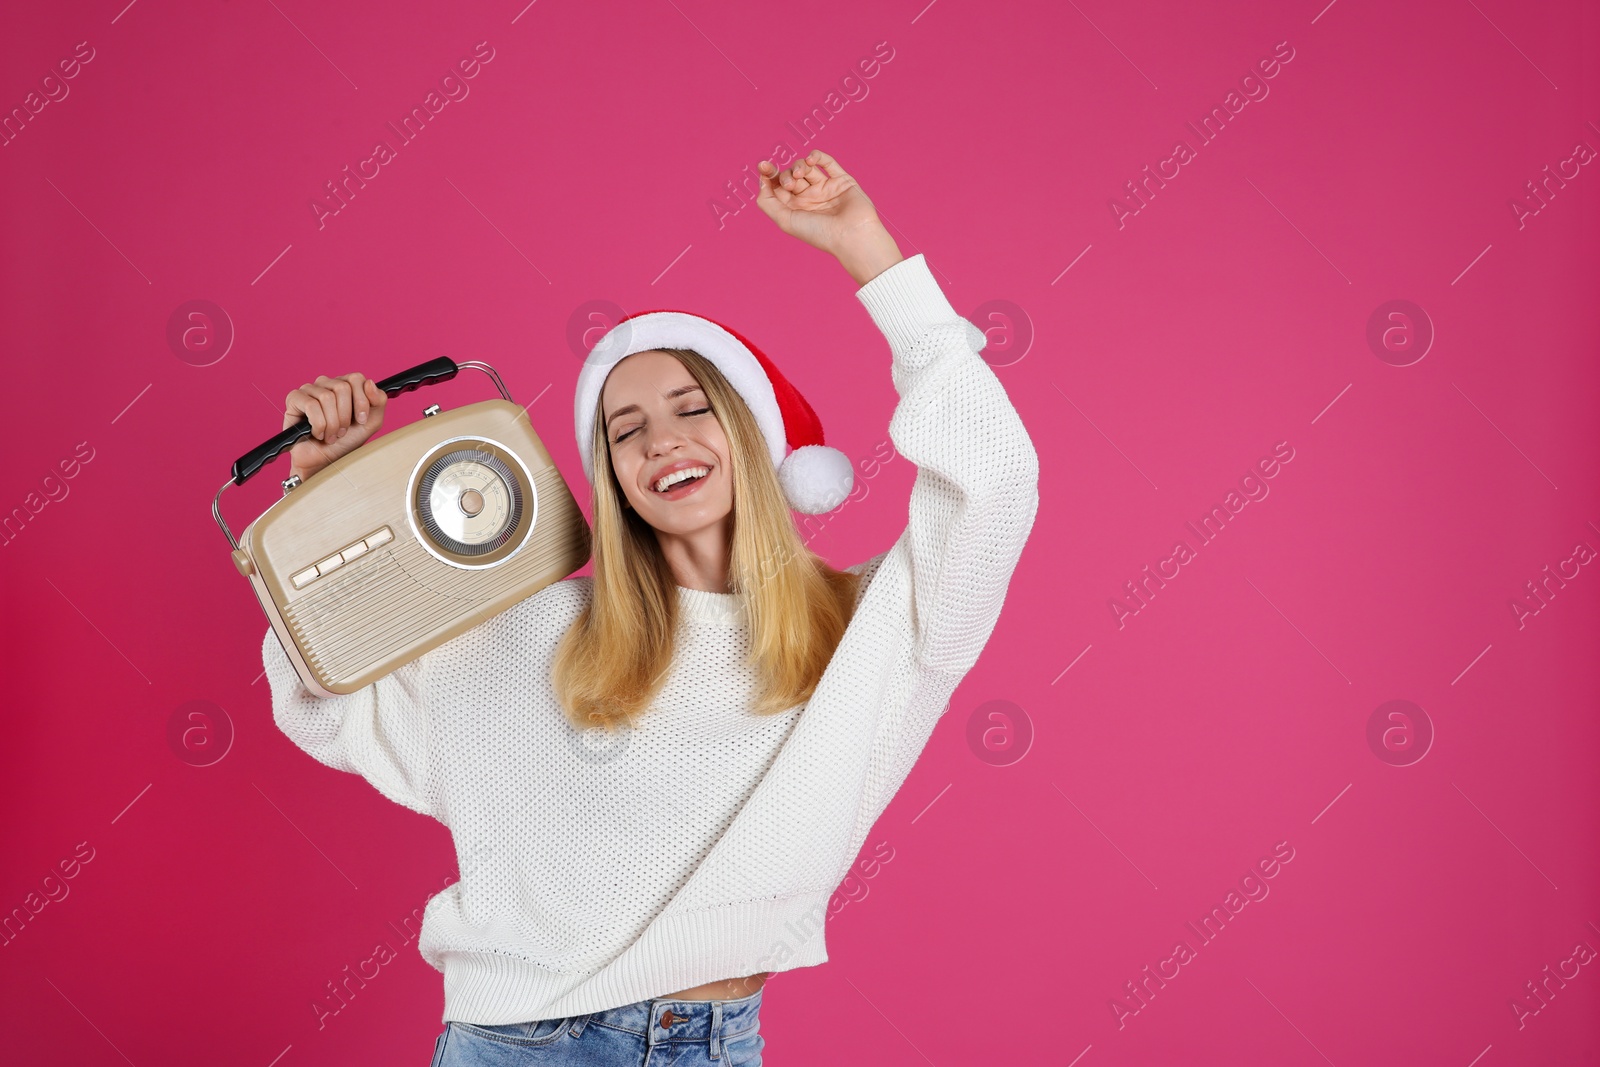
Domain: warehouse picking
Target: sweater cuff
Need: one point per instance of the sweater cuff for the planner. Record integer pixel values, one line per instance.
(904, 301)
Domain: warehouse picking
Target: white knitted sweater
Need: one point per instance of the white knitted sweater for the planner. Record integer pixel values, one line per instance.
(705, 843)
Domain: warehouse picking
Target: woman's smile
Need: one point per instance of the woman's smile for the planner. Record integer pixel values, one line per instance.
(684, 488)
(670, 479)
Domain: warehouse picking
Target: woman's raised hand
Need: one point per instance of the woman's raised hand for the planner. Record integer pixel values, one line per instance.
(344, 412)
(821, 207)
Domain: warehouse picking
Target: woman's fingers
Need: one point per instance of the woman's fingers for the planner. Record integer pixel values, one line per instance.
(321, 407)
(328, 406)
(771, 194)
(298, 407)
(809, 174)
(787, 187)
(347, 404)
(794, 179)
(305, 401)
(330, 415)
(335, 407)
(358, 396)
(822, 159)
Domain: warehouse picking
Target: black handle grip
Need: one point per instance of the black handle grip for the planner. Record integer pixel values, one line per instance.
(435, 370)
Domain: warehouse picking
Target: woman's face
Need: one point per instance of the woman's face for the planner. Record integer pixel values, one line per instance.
(657, 421)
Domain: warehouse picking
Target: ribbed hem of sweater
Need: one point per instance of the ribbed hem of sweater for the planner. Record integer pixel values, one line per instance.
(903, 302)
(678, 951)
(726, 609)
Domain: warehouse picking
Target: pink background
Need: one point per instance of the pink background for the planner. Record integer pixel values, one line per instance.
(1229, 313)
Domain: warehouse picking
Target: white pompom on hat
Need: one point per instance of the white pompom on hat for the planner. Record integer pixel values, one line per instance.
(815, 477)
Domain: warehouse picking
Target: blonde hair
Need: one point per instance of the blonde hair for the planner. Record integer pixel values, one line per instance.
(617, 654)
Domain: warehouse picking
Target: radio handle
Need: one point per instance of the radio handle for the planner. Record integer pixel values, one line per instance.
(441, 369)
(435, 370)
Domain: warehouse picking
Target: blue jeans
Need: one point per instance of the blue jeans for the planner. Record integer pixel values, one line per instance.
(648, 1033)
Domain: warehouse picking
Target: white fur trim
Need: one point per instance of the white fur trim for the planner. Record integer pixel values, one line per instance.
(676, 329)
(816, 478)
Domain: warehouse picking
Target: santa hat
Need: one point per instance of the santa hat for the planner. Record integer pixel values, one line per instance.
(815, 478)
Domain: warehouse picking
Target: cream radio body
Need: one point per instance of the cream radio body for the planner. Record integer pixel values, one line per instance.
(415, 537)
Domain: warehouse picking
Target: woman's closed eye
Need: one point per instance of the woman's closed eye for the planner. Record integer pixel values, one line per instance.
(623, 436)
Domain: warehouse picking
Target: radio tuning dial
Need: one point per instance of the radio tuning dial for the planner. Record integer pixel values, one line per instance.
(469, 501)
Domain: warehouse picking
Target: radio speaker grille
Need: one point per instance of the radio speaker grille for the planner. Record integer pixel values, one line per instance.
(399, 596)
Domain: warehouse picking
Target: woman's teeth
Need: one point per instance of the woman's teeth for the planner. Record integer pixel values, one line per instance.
(670, 480)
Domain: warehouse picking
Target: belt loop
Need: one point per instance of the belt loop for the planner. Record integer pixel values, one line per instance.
(578, 1024)
(716, 1029)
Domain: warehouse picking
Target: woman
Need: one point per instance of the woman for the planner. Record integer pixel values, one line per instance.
(656, 777)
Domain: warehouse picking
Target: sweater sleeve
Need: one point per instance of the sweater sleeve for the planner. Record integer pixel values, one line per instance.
(972, 508)
(977, 486)
(382, 732)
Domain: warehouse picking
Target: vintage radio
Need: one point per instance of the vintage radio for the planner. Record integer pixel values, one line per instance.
(415, 537)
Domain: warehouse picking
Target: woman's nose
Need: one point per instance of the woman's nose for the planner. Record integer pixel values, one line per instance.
(664, 439)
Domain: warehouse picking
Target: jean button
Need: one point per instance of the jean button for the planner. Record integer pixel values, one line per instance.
(667, 1017)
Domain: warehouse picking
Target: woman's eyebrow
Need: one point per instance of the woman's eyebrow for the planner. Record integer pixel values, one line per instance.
(671, 395)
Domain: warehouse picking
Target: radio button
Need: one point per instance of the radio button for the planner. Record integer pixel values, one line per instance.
(382, 537)
(305, 578)
(326, 565)
(357, 549)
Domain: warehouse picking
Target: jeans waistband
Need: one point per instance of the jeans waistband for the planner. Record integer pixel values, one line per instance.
(662, 1019)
